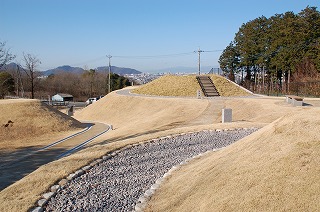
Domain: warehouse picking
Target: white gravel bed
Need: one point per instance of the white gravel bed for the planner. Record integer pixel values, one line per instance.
(117, 183)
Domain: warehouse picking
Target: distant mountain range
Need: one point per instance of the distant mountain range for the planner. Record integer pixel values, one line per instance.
(117, 70)
(77, 70)
(65, 68)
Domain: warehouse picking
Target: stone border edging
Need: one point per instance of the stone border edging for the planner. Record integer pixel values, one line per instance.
(142, 201)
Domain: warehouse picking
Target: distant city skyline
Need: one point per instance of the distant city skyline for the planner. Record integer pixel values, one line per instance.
(144, 35)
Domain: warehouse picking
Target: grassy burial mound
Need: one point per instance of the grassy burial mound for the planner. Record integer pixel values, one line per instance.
(274, 169)
(136, 116)
(29, 123)
(171, 85)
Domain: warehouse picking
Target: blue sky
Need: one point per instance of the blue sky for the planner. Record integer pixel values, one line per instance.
(82, 32)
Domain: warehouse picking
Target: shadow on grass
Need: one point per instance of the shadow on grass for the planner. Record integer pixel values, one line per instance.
(16, 164)
(306, 104)
(120, 138)
(14, 170)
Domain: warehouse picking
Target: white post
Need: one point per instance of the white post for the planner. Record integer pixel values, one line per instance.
(198, 94)
(226, 115)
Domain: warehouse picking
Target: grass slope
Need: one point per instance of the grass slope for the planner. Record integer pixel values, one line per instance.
(137, 119)
(134, 116)
(134, 119)
(171, 85)
(274, 169)
(226, 88)
(32, 120)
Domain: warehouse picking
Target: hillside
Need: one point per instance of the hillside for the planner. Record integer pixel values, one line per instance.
(171, 85)
(65, 68)
(274, 169)
(118, 70)
(139, 119)
(134, 116)
(31, 121)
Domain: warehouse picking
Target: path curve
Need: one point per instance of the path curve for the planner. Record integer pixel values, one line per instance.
(13, 170)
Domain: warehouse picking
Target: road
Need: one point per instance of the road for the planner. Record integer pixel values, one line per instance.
(24, 163)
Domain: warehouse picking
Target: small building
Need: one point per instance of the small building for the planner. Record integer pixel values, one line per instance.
(62, 97)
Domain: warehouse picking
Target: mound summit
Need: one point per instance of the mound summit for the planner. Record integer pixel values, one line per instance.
(172, 85)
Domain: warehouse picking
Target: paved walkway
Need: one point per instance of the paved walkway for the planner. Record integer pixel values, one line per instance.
(13, 169)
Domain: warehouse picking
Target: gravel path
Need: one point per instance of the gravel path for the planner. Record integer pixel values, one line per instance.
(117, 183)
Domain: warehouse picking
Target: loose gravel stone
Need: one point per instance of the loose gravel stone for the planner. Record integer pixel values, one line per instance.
(117, 183)
(71, 176)
(63, 182)
(37, 209)
(42, 202)
(86, 168)
(48, 195)
(54, 188)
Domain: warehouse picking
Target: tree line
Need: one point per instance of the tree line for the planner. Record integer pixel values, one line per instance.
(275, 51)
(26, 81)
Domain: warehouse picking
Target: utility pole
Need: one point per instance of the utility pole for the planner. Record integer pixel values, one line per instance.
(199, 51)
(19, 79)
(109, 56)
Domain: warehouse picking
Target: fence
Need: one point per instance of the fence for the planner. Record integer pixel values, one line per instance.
(305, 89)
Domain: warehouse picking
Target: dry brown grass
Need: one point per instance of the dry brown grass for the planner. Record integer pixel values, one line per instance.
(171, 85)
(274, 169)
(138, 119)
(134, 119)
(34, 123)
(135, 116)
(226, 88)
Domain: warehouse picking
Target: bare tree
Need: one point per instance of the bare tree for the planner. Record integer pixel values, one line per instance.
(31, 64)
(5, 55)
(6, 84)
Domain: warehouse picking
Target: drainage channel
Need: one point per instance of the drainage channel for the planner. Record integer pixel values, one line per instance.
(118, 182)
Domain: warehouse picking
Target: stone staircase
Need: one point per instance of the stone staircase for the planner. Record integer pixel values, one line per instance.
(207, 86)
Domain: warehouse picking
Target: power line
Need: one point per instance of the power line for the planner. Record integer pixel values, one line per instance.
(199, 52)
(160, 56)
(154, 56)
(140, 57)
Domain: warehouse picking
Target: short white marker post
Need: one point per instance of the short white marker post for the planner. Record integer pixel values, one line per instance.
(198, 94)
(226, 115)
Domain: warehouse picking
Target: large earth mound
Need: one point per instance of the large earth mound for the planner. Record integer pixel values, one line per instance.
(23, 121)
(274, 169)
(136, 116)
(171, 85)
